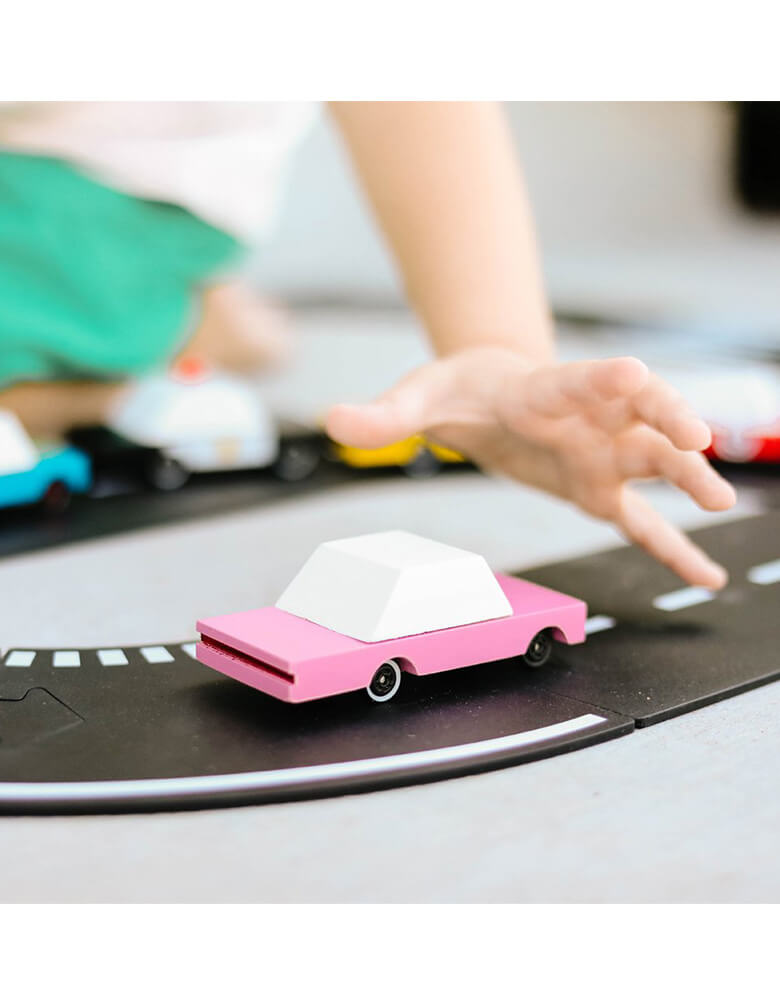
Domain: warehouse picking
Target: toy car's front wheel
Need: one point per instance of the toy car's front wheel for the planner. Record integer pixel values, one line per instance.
(385, 682)
(57, 496)
(165, 473)
(539, 650)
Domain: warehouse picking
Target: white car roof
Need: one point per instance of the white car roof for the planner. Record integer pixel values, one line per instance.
(737, 398)
(17, 452)
(161, 412)
(392, 584)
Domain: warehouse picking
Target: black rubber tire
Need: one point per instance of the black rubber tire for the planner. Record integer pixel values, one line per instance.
(166, 474)
(57, 497)
(539, 650)
(386, 682)
(296, 462)
(424, 465)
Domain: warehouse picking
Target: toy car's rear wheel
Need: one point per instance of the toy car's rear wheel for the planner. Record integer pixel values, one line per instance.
(424, 465)
(297, 460)
(539, 650)
(385, 682)
(166, 473)
(57, 496)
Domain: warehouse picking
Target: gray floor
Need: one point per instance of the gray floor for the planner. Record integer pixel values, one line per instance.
(687, 810)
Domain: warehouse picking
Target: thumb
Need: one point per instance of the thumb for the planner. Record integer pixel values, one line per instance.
(409, 408)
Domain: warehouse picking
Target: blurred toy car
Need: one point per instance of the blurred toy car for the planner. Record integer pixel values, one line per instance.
(190, 420)
(30, 475)
(115, 457)
(418, 457)
(741, 406)
(362, 611)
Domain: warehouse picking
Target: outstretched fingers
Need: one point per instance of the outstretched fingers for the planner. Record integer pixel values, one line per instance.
(661, 406)
(640, 523)
(483, 385)
(646, 454)
(658, 406)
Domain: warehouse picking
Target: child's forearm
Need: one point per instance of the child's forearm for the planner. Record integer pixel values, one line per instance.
(447, 190)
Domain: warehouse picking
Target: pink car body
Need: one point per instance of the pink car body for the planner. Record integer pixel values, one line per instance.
(296, 660)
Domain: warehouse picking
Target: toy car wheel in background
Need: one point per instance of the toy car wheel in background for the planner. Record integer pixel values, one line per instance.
(539, 650)
(385, 682)
(165, 473)
(424, 465)
(57, 496)
(297, 460)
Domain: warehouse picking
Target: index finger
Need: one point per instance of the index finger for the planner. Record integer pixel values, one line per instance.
(642, 524)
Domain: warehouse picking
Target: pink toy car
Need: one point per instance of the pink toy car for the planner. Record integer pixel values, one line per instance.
(362, 611)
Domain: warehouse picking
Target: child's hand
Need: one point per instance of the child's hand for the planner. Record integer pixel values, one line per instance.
(581, 431)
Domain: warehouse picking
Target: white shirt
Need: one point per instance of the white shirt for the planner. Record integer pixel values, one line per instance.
(222, 160)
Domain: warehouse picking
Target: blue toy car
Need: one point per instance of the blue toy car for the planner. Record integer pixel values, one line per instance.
(28, 476)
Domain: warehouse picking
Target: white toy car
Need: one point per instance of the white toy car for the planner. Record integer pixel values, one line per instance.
(29, 474)
(194, 420)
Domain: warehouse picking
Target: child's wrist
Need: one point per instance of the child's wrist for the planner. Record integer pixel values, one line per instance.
(530, 338)
(534, 354)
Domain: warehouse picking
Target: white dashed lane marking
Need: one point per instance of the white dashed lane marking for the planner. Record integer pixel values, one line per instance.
(687, 597)
(20, 658)
(112, 657)
(156, 654)
(765, 573)
(67, 658)
(107, 657)
(684, 598)
(599, 623)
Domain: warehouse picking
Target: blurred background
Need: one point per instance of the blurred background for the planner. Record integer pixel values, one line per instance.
(659, 226)
(646, 212)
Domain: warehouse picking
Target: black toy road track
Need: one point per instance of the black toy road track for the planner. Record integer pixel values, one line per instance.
(149, 727)
(121, 501)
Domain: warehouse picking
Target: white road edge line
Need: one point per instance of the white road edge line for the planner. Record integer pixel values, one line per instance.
(599, 623)
(684, 598)
(765, 573)
(55, 791)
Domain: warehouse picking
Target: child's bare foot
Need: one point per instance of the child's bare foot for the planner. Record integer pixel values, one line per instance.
(50, 409)
(238, 331)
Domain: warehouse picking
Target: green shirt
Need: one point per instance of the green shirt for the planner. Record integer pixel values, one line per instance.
(95, 283)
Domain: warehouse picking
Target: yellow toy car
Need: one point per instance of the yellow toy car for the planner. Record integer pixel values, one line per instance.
(418, 457)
